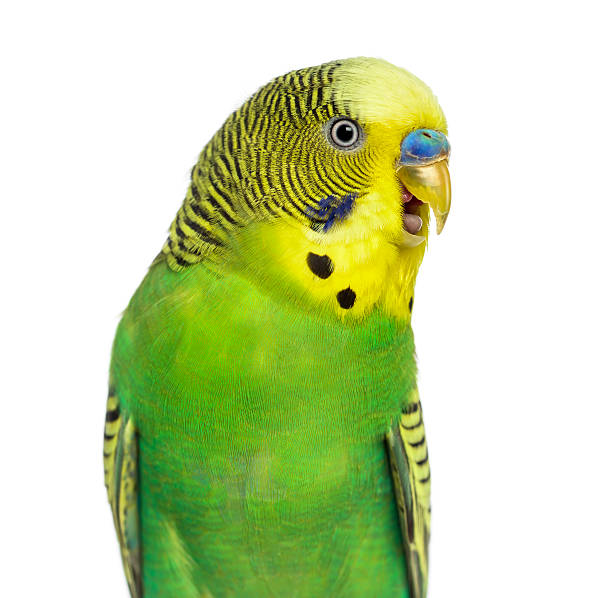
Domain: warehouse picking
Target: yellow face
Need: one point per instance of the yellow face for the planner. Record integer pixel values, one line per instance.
(339, 239)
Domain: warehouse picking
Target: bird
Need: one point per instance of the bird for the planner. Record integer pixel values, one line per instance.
(264, 433)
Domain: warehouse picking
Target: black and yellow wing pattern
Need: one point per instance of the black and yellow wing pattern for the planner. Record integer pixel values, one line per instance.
(121, 480)
(409, 462)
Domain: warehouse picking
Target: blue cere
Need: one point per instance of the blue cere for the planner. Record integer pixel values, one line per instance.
(331, 210)
(424, 146)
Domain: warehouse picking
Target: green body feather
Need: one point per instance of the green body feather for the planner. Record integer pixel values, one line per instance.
(261, 445)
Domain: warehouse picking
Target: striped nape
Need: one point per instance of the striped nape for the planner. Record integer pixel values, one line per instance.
(202, 223)
(269, 160)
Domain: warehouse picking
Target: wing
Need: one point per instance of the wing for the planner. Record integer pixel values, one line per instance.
(121, 480)
(409, 461)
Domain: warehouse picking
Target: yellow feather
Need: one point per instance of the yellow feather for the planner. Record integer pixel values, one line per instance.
(260, 219)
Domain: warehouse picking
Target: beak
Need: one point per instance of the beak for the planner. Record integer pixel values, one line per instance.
(423, 170)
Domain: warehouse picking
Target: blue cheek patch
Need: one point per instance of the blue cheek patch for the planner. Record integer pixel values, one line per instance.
(331, 210)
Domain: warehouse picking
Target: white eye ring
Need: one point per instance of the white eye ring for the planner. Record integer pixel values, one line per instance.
(345, 134)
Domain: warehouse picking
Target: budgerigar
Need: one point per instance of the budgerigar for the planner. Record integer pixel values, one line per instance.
(264, 434)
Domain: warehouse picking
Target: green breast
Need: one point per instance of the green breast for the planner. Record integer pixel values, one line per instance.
(263, 468)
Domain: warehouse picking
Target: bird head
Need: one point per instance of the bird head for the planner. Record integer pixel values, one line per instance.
(318, 189)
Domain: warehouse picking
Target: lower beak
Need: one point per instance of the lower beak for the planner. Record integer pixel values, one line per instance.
(431, 184)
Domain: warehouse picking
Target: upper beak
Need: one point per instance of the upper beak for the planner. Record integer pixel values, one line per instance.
(423, 170)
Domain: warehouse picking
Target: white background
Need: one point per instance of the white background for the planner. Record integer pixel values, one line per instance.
(104, 108)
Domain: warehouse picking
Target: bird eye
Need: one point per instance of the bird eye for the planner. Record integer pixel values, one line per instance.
(345, 134)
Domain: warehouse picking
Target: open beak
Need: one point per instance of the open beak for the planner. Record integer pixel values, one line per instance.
(431, 184)
(423, 171)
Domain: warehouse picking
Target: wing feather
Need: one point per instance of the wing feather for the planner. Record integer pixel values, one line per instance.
(409, 462)
(121, 480)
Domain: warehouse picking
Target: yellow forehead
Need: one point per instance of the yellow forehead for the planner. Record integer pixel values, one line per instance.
(376, 91)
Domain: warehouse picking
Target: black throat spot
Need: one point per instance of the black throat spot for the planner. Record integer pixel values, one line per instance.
(320, 265)
(346, 298)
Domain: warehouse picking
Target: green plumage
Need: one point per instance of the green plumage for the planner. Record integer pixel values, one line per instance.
(266, 431)
(261, 446)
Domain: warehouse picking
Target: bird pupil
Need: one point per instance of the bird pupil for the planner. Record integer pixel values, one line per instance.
(345, 132)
